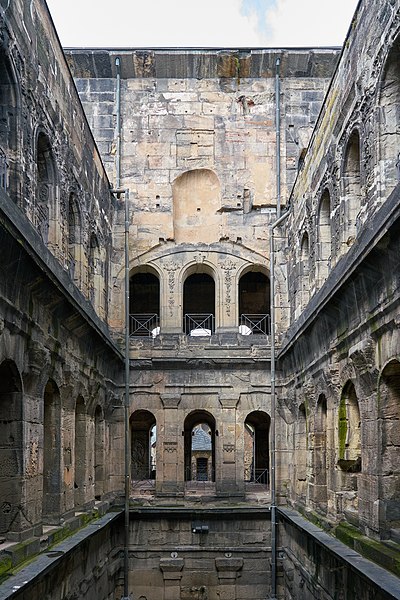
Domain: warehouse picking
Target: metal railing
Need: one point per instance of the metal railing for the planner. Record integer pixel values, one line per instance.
(143, 474)
(144, 325)
(199, 324)
(200, 477)
(258, 476)
(255, 324)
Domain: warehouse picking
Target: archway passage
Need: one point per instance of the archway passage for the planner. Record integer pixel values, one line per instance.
(256, 443)
(389, 413)
(11, 444)
(144, 304)
(254, 303)
(318, 478)
(352, 187)
(199, 304)
(46, 188)
(389, 120)
(143, 445)
(9, 177)
(51, 453)
(199, 434)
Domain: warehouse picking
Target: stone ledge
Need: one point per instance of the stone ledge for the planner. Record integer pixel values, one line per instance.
(383, 579)
(14, 555)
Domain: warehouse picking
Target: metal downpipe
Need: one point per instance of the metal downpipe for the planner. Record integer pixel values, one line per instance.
(127, 402)
(118, 126)
(126, 395)
(273, 409)
(278, 135)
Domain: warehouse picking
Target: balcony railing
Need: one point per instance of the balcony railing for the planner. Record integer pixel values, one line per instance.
(257, 476)
(144, 325)
(199, 324)
(255, 324)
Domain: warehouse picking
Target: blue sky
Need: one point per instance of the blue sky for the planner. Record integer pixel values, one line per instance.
(204, 23)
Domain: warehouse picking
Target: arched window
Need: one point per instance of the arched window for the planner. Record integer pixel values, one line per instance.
(199, 435)
(319, 455)
(51, 453)
(144, 304)
(74, 238)
(304, 275)
(254, 303)
(352, 188)
(96, 260)
(46, 189)
(199, 304)
(11, 446)
(300, 452)
(324, 237)
(9, 160)
(389, 413)
(256, 443)
(390, 121)
(143, 445)
(81, 434)
(99, 453)
(349, 430)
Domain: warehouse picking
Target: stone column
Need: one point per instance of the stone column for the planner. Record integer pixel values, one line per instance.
(172, 573)
(172, 457)
(228, 481)
(228, 569)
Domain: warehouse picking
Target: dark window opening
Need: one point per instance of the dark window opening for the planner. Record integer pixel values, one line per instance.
(143, 445)
(144, 305)
(199, 435)
(254, 303)
(199, 305)
(256, 447)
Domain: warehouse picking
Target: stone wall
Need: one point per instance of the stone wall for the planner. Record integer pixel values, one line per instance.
(87, 565)
(312, 564)
(60, 370)
(198, 152)
(339, 361)
(170, 559)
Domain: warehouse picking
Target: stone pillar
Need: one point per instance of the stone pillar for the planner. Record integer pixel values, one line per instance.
(228, 569)
(172, 477)
(228, 481)
(228, 315)
(172, 573)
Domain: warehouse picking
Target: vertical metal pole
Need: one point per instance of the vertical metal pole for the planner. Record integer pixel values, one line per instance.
(127, 401)
(273, 449)
(273, 409)
(118, 148)
(278, 136)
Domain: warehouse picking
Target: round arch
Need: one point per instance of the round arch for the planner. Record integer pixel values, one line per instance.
(144, 302)
(143, 428)
(199, 300)
(256, 443)
(199, 440)
(11, 450)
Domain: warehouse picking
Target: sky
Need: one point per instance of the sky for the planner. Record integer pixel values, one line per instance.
(202, 23)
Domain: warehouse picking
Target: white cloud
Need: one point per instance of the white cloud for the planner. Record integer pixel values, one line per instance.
(201, 23)
(154, 23)
(309, 22)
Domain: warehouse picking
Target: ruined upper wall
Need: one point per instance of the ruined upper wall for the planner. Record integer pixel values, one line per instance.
(351, 165)
(52, 169)
(198, 151)
(180, 63)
